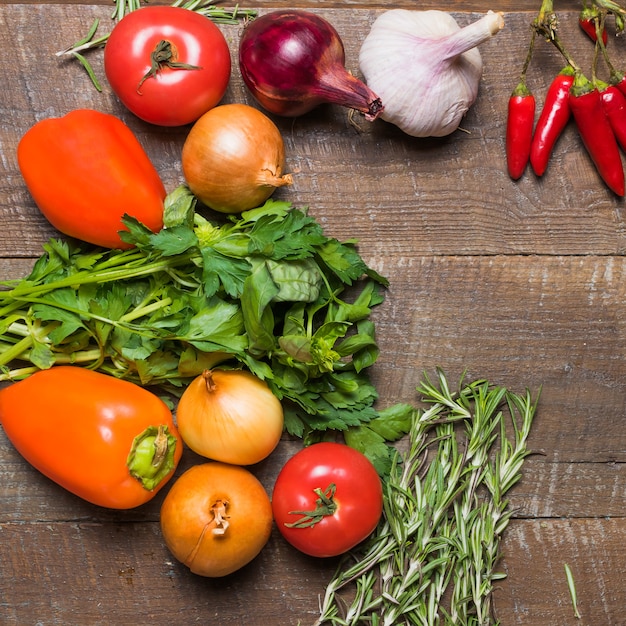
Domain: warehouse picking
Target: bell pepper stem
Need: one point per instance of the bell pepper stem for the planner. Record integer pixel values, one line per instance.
(151, 457)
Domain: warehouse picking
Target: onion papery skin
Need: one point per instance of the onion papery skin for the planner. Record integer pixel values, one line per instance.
(188, 522)
(233, 158)
(230, 416)
(292, 61)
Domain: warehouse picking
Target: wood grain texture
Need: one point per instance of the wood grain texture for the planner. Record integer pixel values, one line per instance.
(522, 283)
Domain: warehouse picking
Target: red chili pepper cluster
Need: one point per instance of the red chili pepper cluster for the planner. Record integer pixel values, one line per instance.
(597, 108)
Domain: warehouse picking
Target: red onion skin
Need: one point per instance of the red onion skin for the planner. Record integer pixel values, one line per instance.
(294, 60)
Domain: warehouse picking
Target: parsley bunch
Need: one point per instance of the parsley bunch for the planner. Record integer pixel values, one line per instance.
(263, 290)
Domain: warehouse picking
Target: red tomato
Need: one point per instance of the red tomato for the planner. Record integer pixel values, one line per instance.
(108, 441)
(167, 64)
(327, 499)
(85, 171)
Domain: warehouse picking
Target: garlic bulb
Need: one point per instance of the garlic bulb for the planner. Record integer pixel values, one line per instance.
(425, 68)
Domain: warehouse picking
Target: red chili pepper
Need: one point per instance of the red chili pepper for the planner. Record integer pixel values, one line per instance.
(519, 129)
(614, 104)
(587, 20)
(596, 133)
(552, 120)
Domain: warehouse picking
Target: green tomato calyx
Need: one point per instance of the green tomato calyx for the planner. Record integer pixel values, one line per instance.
(324, 505)
(163, 56)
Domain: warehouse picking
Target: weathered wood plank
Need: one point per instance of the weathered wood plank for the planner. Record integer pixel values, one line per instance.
(551, 321)
(536, 592)
(94, 573)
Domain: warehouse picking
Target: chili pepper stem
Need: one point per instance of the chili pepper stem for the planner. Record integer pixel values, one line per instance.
(546, 25)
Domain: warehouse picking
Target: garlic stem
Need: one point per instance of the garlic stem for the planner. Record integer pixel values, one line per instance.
(474, 34)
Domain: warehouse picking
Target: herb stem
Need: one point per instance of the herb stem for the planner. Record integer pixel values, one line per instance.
(97, 275)
(571, 585)
(144, 309)
(16, 350)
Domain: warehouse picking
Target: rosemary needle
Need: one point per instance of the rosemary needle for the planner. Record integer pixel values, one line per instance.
(572, 590)
(433, 558)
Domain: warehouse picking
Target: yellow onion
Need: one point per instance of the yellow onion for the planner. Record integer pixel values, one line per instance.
(233, 158)
(216, 518)
(230, 416)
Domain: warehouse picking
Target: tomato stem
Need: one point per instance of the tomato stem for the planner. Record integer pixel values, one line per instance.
(163, 56)
(151, 457)
(324, 505)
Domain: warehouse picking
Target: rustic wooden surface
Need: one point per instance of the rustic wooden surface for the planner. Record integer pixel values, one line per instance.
(522, 283)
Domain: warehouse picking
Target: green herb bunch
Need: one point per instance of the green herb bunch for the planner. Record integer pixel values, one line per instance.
(263, 290)
(433, 558)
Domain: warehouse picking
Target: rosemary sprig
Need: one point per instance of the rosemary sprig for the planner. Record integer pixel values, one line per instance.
(433, 558)
(216, 14)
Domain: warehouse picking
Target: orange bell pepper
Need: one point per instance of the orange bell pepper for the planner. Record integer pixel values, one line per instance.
(85, 171)
(107, 440)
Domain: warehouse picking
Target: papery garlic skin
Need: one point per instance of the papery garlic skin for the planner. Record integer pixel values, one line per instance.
(425, 68)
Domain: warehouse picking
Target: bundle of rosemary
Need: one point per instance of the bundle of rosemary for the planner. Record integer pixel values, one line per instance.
(432, 558)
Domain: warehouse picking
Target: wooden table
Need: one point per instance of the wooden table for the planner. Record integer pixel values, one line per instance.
(522, 283)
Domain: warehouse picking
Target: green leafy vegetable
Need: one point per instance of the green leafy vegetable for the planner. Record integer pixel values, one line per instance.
(266, 290)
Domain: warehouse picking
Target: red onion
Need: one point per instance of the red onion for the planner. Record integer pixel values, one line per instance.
(294, 60)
